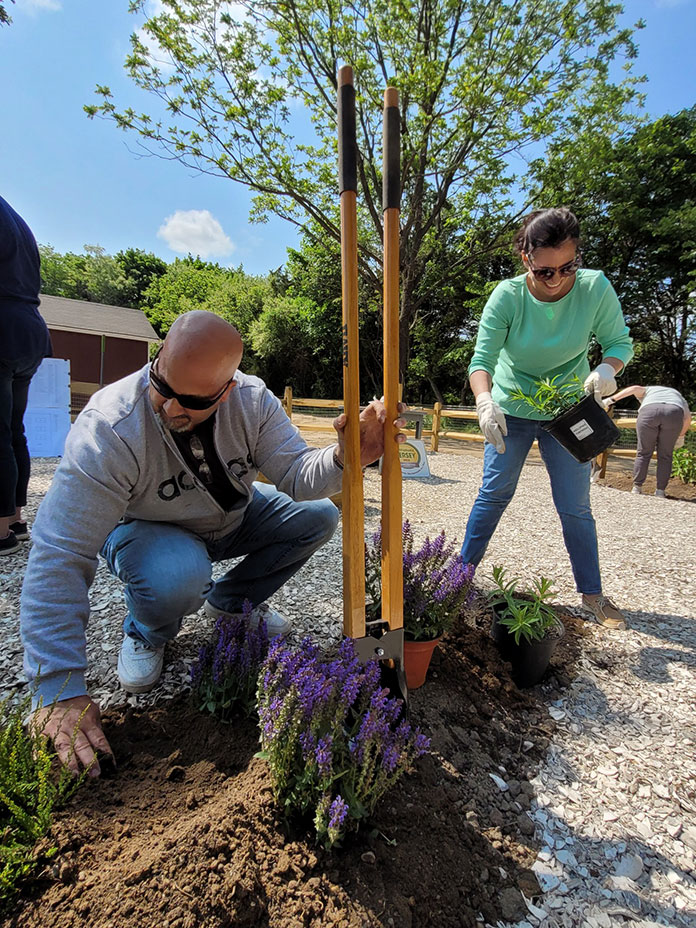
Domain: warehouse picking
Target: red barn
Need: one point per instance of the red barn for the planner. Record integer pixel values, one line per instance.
(103, 343)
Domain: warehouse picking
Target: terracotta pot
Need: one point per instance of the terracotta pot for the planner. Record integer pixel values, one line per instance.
(417, 656)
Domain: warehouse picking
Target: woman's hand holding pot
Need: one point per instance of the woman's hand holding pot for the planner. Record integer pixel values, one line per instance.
(601, 382)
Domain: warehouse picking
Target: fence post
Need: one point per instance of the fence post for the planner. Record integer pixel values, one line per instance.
(434, 434)
(287, 402)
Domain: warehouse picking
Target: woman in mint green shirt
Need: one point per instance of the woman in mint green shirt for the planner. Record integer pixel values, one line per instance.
(539, 325)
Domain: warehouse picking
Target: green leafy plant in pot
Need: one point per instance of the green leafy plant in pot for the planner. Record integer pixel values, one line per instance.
(437, 590)
(525, 627)
(576, 419)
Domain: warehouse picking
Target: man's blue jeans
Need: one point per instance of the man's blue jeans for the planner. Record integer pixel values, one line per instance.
(167, 570)
(570, 488)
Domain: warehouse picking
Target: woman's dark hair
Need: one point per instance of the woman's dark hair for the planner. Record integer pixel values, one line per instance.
(546, 228)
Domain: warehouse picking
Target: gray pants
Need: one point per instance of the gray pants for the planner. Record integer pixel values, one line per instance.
(658, 426)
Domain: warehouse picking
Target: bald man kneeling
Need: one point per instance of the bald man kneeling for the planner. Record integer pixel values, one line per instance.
(158, 476)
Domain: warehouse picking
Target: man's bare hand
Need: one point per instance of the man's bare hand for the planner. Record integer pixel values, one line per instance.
(60, 723)
(372, 419)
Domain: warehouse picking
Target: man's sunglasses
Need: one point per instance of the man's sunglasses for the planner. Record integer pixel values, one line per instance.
(565, 270)
(183, 399)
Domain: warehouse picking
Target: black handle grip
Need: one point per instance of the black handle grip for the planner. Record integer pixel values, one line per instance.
(347, 144)
(391, 155)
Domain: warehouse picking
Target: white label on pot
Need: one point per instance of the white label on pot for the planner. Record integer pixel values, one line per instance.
(581, 429)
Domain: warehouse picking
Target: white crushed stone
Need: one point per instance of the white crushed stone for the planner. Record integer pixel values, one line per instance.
(615, 806)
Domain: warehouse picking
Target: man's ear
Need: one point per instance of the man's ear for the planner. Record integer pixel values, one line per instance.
(225, 396)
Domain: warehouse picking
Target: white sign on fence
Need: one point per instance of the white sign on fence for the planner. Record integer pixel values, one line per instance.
(47, 419)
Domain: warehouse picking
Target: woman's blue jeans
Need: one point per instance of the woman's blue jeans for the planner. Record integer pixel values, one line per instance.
(168, 570)
(570, 488)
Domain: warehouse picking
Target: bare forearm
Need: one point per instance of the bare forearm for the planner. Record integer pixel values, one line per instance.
(635, 390)
(480, 382)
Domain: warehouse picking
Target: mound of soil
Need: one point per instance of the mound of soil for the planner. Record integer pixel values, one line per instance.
(676, 488)
(186, 832)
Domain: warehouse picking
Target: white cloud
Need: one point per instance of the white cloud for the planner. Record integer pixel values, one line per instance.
(40, 6)
(196, 232)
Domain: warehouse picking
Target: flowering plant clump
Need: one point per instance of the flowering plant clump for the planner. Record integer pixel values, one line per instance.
(225, 675)
(334, 739)
(437, 584)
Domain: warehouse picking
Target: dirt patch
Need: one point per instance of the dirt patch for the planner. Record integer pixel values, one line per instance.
(676, 488)
(186, 832)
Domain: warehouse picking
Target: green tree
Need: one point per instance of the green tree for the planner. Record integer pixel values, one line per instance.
(140, 269)
(480, 82)
(637, 202)
(5, 18)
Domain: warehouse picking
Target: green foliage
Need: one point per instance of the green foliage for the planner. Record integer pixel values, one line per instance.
(140, 268)
(479, 82)
(437, 584)
(526, 614)
(5, 18)
(684, 465)
(30, 792)
(551, 397)
(190, 283)
(97, 277)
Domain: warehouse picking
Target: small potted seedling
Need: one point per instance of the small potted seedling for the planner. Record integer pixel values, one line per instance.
(525, 627)
(576, 420)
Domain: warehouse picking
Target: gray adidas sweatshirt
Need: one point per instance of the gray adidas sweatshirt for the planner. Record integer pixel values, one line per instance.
(120, 463)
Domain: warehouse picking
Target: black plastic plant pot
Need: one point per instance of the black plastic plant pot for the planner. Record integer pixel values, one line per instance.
(585, 430)
(529, 659)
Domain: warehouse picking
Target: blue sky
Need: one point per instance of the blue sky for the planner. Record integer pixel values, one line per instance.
(78, 181)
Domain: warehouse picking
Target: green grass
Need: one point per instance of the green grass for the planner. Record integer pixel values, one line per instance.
(30, 792)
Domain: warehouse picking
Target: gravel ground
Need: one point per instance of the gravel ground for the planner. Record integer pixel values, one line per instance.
(615, 811)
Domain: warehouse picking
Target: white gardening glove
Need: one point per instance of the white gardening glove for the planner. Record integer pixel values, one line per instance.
(608, 403)
(492, 421)
(679, 443)
(601, 382)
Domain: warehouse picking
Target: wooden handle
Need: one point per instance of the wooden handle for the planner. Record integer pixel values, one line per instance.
(392, 546)
(352, 504)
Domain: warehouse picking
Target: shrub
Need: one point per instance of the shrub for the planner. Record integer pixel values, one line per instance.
(30, 792)
(334, 740)
(437, 584)
(526, 614)
(684, 465)
(225, 675)
(552, 398)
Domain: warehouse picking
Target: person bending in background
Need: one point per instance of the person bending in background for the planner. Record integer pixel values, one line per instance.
(663, 420)
(24, 343)
(534, 326)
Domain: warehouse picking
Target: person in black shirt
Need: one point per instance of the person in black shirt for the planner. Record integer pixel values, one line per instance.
(24, 343)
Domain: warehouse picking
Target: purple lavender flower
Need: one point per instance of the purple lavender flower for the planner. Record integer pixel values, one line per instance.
(337, 813)
(323, 755)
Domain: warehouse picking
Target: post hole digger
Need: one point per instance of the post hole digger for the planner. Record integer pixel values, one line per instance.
(385, 640)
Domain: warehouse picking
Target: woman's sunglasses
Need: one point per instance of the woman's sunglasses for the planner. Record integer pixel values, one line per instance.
(565, 270)
(183, 399)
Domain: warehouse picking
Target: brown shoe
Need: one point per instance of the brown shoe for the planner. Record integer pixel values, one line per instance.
(604, 611)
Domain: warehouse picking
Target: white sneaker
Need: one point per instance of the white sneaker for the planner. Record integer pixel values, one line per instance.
(636, 490)
(278, 627)
(660, 494)
(139, 665)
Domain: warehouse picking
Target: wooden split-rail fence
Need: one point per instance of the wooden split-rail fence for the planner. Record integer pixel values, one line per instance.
(437, 413)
